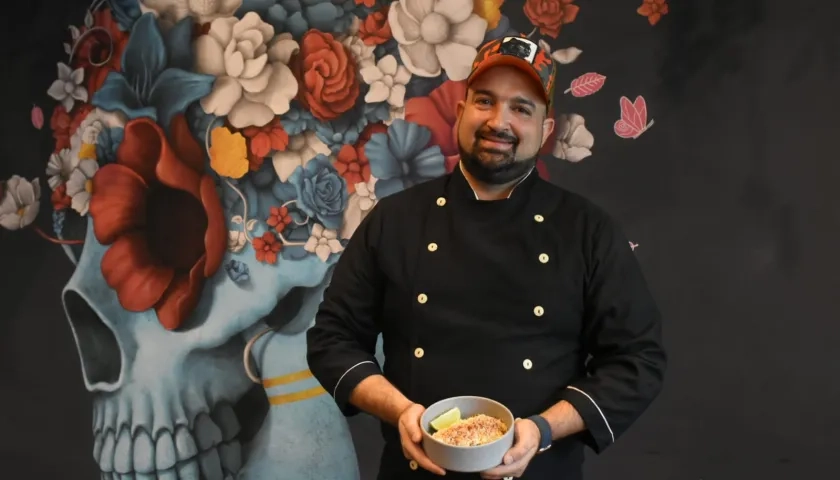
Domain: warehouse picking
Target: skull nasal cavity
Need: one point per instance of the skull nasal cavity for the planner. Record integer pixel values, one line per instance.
(98, 347)
(175, 225)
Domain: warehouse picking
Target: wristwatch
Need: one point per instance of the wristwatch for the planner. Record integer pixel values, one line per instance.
(545, 432)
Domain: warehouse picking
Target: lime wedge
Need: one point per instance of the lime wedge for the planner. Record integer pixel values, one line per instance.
(447, 419)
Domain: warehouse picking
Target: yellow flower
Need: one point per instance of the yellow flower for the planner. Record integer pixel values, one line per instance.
(87, 151)
(489, 10)
(228, 153)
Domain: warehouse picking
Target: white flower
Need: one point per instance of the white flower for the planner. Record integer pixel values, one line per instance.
(20, 203)
(254, 82)
(236, 240)
(84, 140)
(80, 185)
(362, 52)
(323, 242)
(169, 12)
(387, 81)
(358, 206)
(302, 148)
(435, 34)
(574, 141)
(59, 168)
(68, 88)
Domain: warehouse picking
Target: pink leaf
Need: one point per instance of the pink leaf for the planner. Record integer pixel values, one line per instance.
(633, 120)
(37, 117)
(586, 84)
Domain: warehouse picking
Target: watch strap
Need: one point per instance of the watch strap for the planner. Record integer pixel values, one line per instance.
(545, 432)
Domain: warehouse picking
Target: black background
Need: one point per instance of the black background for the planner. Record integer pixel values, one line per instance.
(730, 196)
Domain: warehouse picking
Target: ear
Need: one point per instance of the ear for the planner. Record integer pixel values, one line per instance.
(547, 127)
(459, 109)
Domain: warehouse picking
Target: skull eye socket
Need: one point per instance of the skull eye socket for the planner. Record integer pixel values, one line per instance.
(98, 348)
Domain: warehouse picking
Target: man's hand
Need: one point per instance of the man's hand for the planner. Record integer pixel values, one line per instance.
(526, 442)
(411, 435)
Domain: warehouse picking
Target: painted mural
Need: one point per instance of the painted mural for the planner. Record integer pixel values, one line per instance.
(211, 159)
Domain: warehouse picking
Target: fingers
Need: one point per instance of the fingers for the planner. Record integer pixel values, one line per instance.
(415, 452)
(410, 437)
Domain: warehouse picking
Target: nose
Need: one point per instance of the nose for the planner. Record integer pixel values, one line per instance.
(500, 120)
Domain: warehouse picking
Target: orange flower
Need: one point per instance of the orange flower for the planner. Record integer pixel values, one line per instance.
(262, 140)
(375, 29)
(327, 74)
(278, 218)
(653, 10)
(489, 10)
(59, 198)
(228, 153)
(550, 15)
(367, 3)
(267, 247)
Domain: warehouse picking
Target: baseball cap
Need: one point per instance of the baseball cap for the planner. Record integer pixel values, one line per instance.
(519, 52)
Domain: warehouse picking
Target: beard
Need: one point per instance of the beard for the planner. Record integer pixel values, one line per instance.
(495, 166)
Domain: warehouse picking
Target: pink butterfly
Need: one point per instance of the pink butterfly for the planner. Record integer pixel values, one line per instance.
(633, 118)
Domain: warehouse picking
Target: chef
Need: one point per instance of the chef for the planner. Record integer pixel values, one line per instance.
(490, 281)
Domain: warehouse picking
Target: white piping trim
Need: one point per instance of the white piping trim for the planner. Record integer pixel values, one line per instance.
(335, 389)
(612, 436)
(461, 166)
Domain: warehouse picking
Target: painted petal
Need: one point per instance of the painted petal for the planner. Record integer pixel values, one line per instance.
(388, 65)
(365, 203)
(76, 182)
(209, 56)
(88, 167)
(456, 11)
(181, 297)
(131, 270)
(281, 89)
(402, 76)
(310, 244)
(317, 230)
(8, 204)
(404, 28)
(64, 72)
(68, 102)
(118, 203)
(323, 252)
(470, 32)
(234, 61)
(257, 83)
(329, 234)
(29, 214)
(222, 29)
(285, 163)
(397, 96)
(77, 76)
(10, 221)
(335, 245)
(456, 59)
(56, 90)
(249, 114)
(418, 9)
(81, 202)
(420, 59)
(283, 49)
(226, 92)
(254, 66)
(214, 236)
(371, 74)
(378, 93)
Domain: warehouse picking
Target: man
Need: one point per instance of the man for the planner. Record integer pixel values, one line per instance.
(490, 281)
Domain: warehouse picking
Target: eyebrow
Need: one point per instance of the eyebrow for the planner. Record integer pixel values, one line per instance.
(517, 99)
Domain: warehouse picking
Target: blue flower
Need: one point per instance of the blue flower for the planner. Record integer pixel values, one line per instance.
(154, 82)
(377, 112)
(344, 129)
(297, 119)
(400, 158)
(502, 29)
(298, 16)
(58, 217)
(200, 122)
(321, 191)
(106, 144)
(238, 271)
(125, 12)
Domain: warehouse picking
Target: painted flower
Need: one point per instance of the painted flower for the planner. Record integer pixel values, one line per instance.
(228, 153)
(653, 10)
(64, 125)
(321, 192)
(236, 240)
(437, 113)
(106, 144)
(20, 203)
(401, 158)
(550, 15)
(437, 34)
(489, 10)
(574, 141)
(59, 198)
(323, 242)
(352, 166)
(100, 51)
(68, 88)
(253, 81)
(84, 139)
(266, 248)
(154, 81)
(161, 215)
(387, 81)
(59, 168)
(80, 185)
(278, 218)
(328, 73)
(238, 271)
(297, 17)
(263, 140)
(301, 149)
(374, 29)
(361, 52)
(172, 11)
(358, 206)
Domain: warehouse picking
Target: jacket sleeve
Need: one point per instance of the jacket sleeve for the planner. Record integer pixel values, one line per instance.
(341, 344)
(623, 338)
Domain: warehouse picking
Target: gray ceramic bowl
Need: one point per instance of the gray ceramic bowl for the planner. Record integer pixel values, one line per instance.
(467, 459)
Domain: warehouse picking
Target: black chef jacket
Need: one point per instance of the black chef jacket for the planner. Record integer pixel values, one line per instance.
(527, 300)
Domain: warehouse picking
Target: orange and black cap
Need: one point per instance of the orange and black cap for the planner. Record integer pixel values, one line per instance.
(519, 52)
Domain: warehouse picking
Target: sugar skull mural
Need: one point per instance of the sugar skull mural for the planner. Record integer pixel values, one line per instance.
(211, 160)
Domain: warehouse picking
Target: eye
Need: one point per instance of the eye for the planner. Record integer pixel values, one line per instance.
(524, 111)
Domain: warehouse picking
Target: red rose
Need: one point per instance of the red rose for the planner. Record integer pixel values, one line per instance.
(375, 29)
(98, 53)
(64, 125)
(59, 198)
(163, 218)
(550, 15)
(327, 74)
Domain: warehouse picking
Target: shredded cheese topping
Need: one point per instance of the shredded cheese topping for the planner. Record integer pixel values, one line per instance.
(471, 432)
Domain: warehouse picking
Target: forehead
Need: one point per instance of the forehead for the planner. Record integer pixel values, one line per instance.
(506, 82)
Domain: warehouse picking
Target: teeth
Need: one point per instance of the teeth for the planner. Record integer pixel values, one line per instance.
(167, 475)
(207, 433)
(225, 418)
(184, 444)
(123, 454)
(165, 455)
(231, 455)
(106, 458)
(211, 465)
(145, 476)
(188, 470)
(144, 453)
(97, 447)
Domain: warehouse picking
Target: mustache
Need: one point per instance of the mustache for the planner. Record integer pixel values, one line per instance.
(490, 134)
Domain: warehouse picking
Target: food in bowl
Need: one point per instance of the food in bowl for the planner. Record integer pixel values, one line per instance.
(480, 429)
